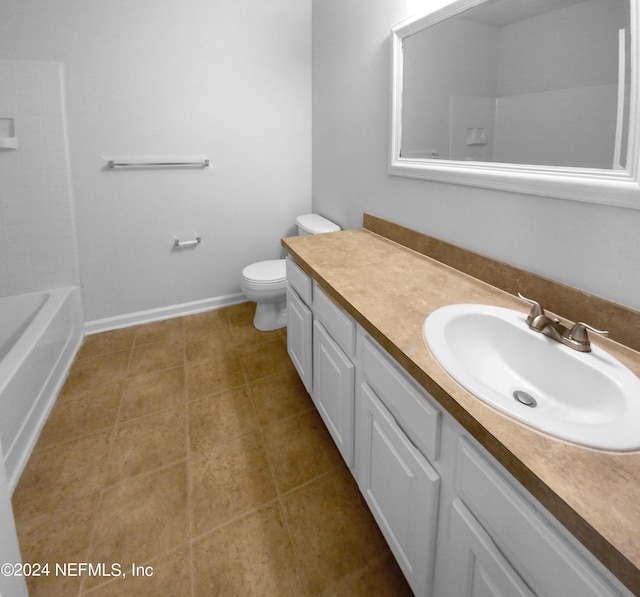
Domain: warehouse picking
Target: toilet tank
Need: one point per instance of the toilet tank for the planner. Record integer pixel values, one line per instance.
(314, 224)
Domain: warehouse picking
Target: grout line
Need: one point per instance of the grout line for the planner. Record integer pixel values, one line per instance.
(280, 497)
(231, 521)
(189, 488)
(105, 472)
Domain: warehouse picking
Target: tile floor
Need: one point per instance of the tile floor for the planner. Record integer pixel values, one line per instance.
(190, 446)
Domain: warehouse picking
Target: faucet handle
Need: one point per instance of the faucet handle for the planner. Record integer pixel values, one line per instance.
(579, 332)
(536, 308)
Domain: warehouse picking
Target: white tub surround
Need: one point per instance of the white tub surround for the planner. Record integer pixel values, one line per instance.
(41, 335)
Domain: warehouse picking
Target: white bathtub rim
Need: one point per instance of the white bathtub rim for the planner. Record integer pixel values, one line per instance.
(17, 454)
(27, 342)
(22, 310)
(47, 399)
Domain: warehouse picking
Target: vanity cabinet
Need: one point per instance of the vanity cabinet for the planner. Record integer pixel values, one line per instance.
(321, 344)
(457, 522)
(300, 322)
(400, 487)
(334, 333)
(476, 566)
(501, 537)
(334, 375)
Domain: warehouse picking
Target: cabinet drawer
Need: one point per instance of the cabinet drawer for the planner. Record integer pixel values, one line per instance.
(411, 406)
(339, 324)
(548, 563)
(299, 281)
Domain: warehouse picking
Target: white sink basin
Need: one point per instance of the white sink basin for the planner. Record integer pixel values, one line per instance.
(588, 398)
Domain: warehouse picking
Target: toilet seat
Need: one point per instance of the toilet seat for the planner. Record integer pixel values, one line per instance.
(266, 274)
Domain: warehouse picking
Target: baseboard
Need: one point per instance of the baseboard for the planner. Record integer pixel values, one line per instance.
(140, 317)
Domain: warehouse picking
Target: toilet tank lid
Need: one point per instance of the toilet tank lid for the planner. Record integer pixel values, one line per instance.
(315, 224)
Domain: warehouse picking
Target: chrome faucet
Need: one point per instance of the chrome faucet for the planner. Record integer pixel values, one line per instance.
(575, 337)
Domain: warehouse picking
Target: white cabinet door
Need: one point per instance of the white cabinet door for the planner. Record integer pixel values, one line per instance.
(299, 337)
(542, 556)
(401, 489)
(333, 389)
(476, 566)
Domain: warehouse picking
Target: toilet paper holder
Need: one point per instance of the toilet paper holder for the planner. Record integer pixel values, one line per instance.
(187, 243)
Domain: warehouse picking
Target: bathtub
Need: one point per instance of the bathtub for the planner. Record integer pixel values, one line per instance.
(39, 336)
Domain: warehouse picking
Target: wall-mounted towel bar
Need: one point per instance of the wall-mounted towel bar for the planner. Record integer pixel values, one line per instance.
(203, 163)
(187, 243)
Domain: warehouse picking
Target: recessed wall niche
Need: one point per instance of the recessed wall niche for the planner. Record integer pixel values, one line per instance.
(8, 139)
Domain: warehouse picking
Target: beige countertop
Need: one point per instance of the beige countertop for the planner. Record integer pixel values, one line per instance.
(390, 289)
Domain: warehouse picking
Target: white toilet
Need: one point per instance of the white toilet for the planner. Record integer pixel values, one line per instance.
(265, 282)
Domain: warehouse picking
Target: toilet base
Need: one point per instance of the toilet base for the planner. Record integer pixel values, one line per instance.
(270, 316)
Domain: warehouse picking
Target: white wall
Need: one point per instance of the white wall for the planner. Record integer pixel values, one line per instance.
(592, 247)
(227, 80)
(232, 81)
(37, 230)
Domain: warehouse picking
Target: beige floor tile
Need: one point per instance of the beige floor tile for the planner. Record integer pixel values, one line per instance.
(91, 372)
(66, 472)
(242, 329)
(150, 392)
(147, 443)
(157, 356)
(220, 373)
(166, 576)
(300, 449)
(279, 396)
(142, 517)
(93, 410)
(246, 335)
(241, 314)
(106, 343)
(333, 532)
(58, 537)
(85, 390)
(53, 585)
(262, 360)
(207, 321)
(202, 346)
(383, 578)
(225, 447)
(250, 557)
(227, 481)
(167, 330)
(220, 418)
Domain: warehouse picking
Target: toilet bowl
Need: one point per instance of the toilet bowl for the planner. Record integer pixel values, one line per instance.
(265, 282)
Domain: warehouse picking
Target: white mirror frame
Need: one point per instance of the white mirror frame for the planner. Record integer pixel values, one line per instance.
(610, 187)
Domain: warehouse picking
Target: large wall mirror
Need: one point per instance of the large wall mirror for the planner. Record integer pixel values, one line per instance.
(534, 96)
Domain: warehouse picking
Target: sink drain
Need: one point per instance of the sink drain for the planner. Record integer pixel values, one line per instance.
(524, 398)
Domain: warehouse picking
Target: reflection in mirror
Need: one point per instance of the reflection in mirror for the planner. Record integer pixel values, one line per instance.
(527, 95)
(533, 82)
